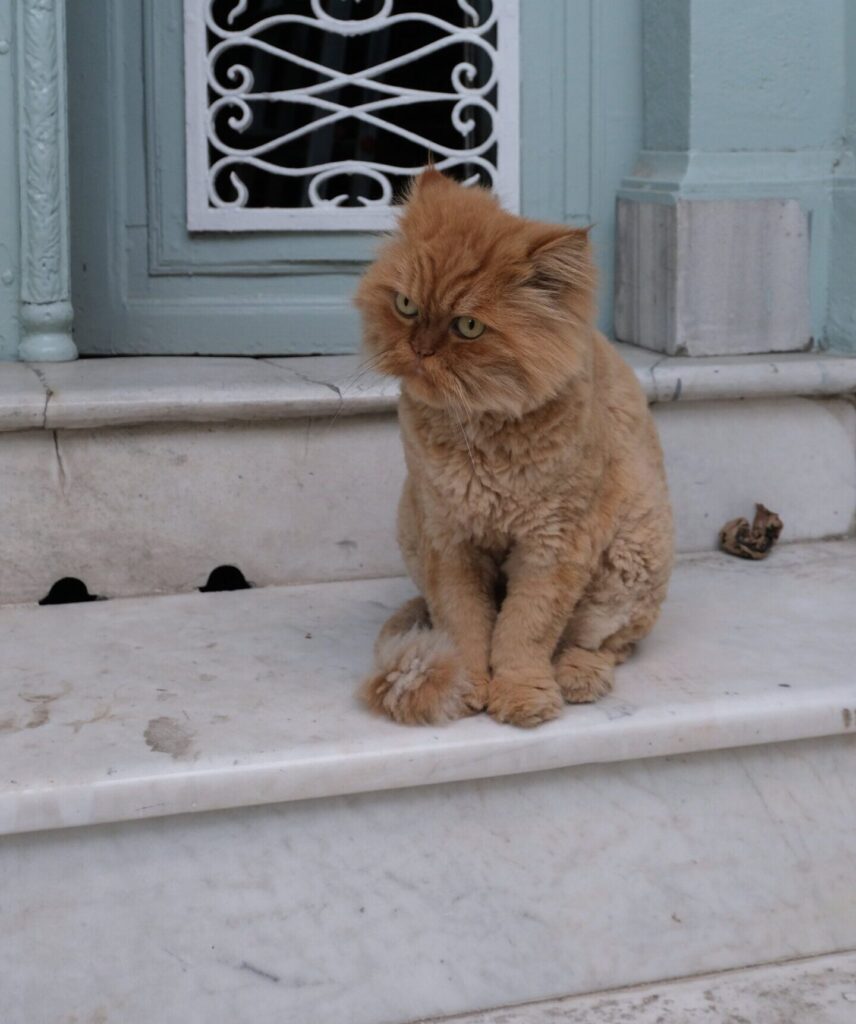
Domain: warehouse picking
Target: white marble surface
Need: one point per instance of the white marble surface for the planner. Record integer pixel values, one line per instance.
(821, 990)
(684, 283)
(796, 456)
(22, 397)
(161, 389)
(387, 907)
(154, 508)
(684, 378)
(122, 391)
(144, 707)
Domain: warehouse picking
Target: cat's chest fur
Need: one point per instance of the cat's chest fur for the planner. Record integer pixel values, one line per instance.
(485, 482)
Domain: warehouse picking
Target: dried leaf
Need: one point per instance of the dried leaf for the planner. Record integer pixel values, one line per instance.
(738, 538)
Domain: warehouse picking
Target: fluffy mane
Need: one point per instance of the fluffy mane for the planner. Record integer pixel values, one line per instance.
(457, 253)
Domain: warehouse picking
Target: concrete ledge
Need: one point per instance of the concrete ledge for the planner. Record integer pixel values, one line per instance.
(153, 508)
(159, 706)
(128, 391)
(683, 378)
(821, 990)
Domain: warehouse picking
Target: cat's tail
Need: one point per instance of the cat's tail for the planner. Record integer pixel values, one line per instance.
(418, 676)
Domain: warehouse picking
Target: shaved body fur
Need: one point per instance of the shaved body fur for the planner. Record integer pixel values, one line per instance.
(535, 518)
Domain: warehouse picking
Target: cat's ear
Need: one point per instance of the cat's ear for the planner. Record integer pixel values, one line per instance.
(560, 258)
(425, 183)
(429, 178)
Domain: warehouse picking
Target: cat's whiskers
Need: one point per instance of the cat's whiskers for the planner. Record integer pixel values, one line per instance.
(363, 368)
(469, 390)
(459, 390)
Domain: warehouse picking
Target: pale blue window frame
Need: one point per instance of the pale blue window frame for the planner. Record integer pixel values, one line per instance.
(142, 284)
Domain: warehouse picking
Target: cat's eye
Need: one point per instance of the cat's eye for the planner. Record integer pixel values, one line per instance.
(405, 305)
(468, 327)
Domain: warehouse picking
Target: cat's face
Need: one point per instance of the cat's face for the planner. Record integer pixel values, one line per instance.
(474, 307)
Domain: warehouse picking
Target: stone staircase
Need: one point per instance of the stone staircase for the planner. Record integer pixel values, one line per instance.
(200, 824)
(821, 990)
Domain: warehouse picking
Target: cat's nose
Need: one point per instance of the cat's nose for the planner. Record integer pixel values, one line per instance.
(423, 344)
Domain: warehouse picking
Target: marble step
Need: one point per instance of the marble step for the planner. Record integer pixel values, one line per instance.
(142, 707)
(821, 990)
(131, 391)
(192, 803)
(142, 476)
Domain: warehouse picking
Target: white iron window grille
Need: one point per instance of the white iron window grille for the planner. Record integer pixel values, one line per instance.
(314, 114)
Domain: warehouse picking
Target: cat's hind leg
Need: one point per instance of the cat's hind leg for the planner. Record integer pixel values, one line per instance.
(418, 676)
(619, 608)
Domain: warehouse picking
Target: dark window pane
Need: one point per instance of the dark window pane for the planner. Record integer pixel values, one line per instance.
(308, 99)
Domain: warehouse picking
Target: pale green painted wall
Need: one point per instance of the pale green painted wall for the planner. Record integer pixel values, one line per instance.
(667, 74)
(769, 85)
(744, 75)
(751, 99)
(10, 227)
(142, 284)
(841, 326)
(767, 75)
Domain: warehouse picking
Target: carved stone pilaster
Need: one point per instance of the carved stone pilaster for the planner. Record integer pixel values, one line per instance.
(46, 313)
(727, 221)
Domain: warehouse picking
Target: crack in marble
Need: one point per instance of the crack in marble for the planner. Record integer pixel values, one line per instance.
(59, 460)
(49, 392)
(267, 975)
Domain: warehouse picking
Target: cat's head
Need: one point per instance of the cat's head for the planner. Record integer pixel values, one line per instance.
(472, 306)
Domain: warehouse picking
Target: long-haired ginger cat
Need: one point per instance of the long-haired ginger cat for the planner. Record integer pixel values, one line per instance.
(535, 518)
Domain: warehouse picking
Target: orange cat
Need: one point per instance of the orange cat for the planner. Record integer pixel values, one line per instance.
(535, 517)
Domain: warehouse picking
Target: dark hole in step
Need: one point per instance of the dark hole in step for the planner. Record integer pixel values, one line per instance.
(225, 577)
(69, 590)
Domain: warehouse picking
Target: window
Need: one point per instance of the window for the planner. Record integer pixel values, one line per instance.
(268, 266)
(314, 114)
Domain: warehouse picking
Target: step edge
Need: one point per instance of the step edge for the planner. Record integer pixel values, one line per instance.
(320, 776)
(75, 396)
(544, 1010)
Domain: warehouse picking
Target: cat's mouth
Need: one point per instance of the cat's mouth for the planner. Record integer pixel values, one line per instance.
(427, 380)
(405, 364)
(418, 371)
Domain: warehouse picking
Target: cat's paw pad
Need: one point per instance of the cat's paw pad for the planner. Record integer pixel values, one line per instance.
(584, 676)
(525, 701)
(419, 691)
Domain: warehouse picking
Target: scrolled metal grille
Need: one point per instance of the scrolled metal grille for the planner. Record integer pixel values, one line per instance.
(315, 113)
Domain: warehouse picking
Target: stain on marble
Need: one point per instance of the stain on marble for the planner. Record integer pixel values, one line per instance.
(847, 717)
(103, 714)
(41, 712)
(244, 966)
(40, 716)
(166, 735)
(618, 709)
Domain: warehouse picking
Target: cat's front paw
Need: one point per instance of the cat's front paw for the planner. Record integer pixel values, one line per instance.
(526, 700)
